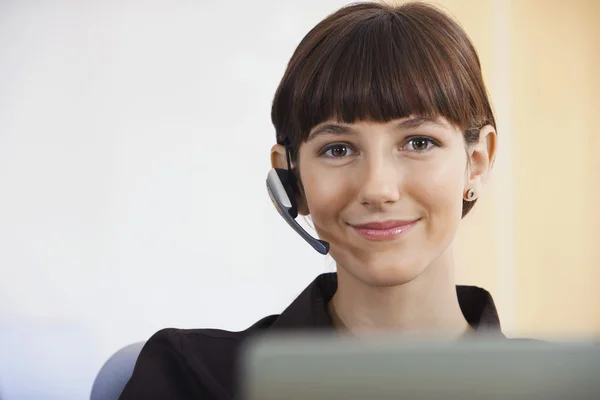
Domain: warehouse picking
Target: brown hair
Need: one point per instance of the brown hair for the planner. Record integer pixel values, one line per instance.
(378, 62)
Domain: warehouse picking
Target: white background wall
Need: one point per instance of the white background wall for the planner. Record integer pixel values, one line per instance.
(134, 147)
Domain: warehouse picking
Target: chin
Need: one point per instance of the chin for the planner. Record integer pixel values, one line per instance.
(387, 272)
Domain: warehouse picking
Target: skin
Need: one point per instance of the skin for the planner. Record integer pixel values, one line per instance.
(410, 169)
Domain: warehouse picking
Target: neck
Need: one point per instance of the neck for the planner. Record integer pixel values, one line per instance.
(427, 304)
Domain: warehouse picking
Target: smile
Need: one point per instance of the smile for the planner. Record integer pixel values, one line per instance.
(386, 230)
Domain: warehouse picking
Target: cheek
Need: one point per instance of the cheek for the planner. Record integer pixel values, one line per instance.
(327, 193)
(438, 188)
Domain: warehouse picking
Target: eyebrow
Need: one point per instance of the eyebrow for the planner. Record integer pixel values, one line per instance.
(407, 124)
(331, 129)
(418, 122)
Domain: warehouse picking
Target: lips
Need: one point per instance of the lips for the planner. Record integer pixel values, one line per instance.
(384, 225)
(385, 230)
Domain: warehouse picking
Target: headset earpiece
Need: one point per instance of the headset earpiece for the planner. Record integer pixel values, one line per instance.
(281, 186)
(288, 182)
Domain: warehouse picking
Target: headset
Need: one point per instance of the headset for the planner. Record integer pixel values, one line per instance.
(281, 186)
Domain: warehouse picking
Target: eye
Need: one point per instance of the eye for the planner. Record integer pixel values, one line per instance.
(337, 150)
(420, 144)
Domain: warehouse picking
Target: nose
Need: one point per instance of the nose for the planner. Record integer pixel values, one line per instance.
(380, 183)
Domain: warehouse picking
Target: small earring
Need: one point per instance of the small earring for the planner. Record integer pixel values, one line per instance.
(470, 195)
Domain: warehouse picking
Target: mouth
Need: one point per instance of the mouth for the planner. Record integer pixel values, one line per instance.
(386, 230)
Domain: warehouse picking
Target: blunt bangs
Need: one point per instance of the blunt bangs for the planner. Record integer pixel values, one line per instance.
(373, 62)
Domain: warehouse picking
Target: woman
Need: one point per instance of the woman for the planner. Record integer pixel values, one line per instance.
(383, 117)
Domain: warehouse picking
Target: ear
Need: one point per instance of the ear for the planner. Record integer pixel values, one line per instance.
(481, 158)
(279, 160)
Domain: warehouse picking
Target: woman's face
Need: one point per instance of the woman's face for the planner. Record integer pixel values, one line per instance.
(387, 196)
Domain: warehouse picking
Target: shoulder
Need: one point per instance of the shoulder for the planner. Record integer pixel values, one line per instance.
(182, 363)
(203, 342)
(210, 350)
(182, 340)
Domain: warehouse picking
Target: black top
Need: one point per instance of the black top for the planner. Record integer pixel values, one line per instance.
(202, 363)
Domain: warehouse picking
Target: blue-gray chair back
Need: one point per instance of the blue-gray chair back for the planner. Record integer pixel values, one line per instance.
(115, 373)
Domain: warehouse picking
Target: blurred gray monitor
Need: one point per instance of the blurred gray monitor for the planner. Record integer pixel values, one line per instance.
(327, 367)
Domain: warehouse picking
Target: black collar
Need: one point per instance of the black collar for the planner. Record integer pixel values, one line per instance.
(309, 310)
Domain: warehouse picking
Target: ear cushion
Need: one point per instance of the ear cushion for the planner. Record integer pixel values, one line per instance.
(288, 180)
